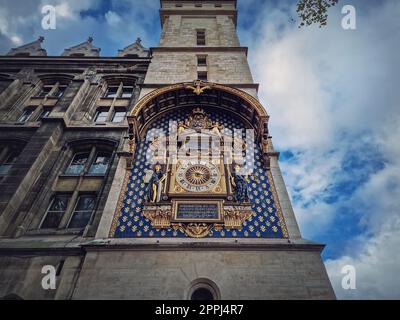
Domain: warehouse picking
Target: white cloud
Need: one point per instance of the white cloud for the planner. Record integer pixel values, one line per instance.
(113, 18)
(376, 264)
(333, 94)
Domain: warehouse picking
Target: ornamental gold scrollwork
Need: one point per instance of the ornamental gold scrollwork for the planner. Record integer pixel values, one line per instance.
(160, 217)
(194, 230)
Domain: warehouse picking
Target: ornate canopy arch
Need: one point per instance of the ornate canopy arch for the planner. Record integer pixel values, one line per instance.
(198, 93)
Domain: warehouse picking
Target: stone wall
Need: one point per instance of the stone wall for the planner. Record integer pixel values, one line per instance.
(239, 274)
(180, 31)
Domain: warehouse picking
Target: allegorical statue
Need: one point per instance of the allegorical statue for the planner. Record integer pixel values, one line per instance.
(240, 185)
(155, 184)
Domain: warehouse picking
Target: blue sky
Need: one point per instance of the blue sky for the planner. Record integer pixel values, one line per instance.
(333, 97)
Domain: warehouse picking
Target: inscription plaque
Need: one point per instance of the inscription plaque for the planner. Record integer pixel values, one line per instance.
(197, 211)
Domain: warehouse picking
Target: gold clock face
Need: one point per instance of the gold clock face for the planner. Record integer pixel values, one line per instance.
(197, 176)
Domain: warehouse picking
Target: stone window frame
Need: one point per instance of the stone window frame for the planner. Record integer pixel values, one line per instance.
(54, 83)
(69, 150)
(120, 91)
(74, 148)
(111, 103)
(92, 152)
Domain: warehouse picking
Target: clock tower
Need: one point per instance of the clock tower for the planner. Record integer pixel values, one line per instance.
(198, 207)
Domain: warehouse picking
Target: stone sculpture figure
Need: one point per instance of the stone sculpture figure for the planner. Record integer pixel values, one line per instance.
(155, 184)
(240, 186)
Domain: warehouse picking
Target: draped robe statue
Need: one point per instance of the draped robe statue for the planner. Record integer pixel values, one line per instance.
(155, 185)
(240, 186)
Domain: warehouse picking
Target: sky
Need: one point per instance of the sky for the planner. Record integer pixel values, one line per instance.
(333, 97)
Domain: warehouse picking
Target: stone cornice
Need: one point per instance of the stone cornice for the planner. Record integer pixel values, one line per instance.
(22, 247)
(197, 12)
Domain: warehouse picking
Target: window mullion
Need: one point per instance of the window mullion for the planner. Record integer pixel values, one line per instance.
(90, 160)
(70, 208)
(53, 90)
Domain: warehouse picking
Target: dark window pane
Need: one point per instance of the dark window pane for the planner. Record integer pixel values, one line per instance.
(127, 92)
(82, 212)
(78, 163)
(85, 203)
(60, 92)
(201, 61)
(111, 92)
(45, 113)
(45, 91)
(25, 116)
(12, 157)
(59, 203)
(201, 37)
(101, 116)
(119, 116)
(55, 212)
(100, 164)
(202, 76)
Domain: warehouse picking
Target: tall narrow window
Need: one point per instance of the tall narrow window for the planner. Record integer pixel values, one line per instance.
(78, 163)
(55, 212)
(9, 161)
(119, 115)
(101, 115)
(83, 211)
(201, 37)
(100, 163)
(26, 115)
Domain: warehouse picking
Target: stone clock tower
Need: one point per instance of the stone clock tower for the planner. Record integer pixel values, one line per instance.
(198, 208)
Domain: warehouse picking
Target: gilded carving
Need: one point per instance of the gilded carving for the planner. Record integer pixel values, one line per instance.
(160, 216)
(234, 216)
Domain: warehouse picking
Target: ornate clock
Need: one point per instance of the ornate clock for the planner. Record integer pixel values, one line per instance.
(198, 176)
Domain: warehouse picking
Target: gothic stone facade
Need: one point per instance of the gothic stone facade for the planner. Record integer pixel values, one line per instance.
(62, 131)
